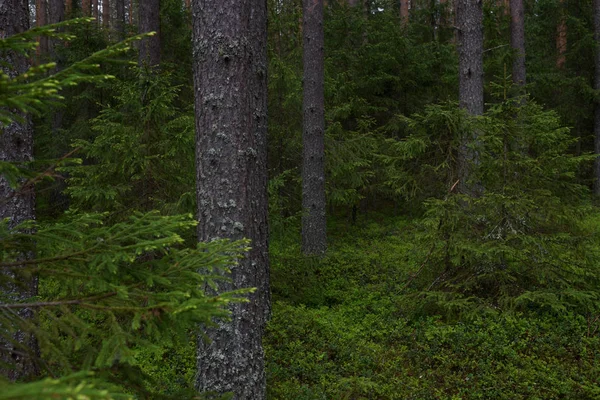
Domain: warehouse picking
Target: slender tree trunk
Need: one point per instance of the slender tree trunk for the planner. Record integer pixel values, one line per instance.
(68, 7)
(230, 79)
(597, 106)
(149, 15)
(469, 21)
(106, 13)
(16, 145)
(517, 41)
(561, 38)
(130, 12)
(404, 12)
(120, 21)
(314, 235)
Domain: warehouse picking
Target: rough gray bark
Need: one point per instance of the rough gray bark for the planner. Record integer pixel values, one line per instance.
(469, 24)
(517, 41)
(314, 236)
(597, 107)
(230, 79)
(149, 21)
(16, 145)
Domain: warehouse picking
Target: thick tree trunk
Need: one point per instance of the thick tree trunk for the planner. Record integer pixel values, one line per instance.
(41, 20)
(56, 14)
(106, 13)
(314, 236)
(517, 41)
(230, 79)
(561, 38)
(16, 145)
(95, 9)
(597, 107)
(469, 21)
(149, 16)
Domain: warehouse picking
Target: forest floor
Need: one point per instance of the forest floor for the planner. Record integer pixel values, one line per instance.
(351, 326)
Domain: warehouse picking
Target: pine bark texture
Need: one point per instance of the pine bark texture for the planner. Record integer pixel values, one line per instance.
(16, 145)
(404, 12)
(149, 21)
(86, 7)
(561, 38)
(120, 18)
(469, 21)
(230, 79)
(106, 13)
(597, 106)
(41, 20)
(68, 7)
(314, 236)
(517, 41)
(95, 9)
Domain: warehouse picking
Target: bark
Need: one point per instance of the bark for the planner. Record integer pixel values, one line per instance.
(95, 9)
(106, 13)
(230, 79)
(56, 14)
(130, 12)
(404, 12)
(469, 21)
(149, 21)
(561, 38)
(120, 21)
(314, 236)
(517, 41)
(68, 7)
(41, 20)
(86, 7)
(597, 105)
(16, 145)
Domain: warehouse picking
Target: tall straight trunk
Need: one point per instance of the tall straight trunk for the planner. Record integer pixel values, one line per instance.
(469, 21)
(561, 38)
(404, 13)
(314, 235)
(95, 9)
(130, 12)
(16, 145)
(68, 7)
(106, 13)
(149, 16)
(56, 14)
(120, 20)
(517, 41)
(597, 106)
(41, 20)
(86, 7)
(230, 80)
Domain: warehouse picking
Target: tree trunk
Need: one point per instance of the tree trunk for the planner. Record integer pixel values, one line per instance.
(68, 7)
(56, 14)
(106, 13)
(95, 9)
(517, 41)
(86, 7)
(16, 145)
(561, 38)
(597, 106)
(469, 21)
(404, 13)
(314, 236)
(120, 21)
(149, 16)
(230, 79)
(40, 20)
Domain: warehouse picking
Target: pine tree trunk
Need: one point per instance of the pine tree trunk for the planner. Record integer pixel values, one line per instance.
(95, 9)
(230, 79)
(86, 7)
(314, 235)
(106, 13)
(404, 12)
(597, 106)
(120, 21)
(16, 145)
(517, 41)
(40, 20)
(469, 21)
(68, 7)
(561, 38)
(149, 16)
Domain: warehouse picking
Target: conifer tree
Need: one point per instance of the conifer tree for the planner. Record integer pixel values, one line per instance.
(597, 102)
(230, 80)
(314, 236)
